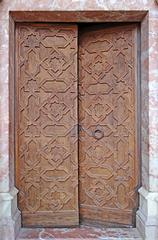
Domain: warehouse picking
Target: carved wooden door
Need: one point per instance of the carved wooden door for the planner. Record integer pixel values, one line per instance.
(108, 160)
(46, 124)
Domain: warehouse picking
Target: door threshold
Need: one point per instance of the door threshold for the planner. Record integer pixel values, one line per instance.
(81, 232)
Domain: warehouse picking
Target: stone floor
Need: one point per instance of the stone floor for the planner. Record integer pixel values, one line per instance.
(82, 232)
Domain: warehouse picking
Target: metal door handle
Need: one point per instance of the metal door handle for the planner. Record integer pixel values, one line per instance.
(98, 134)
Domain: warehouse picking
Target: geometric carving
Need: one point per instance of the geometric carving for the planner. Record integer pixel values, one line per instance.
(47, 104)
(57, 198)
(49, 86)
(99, 46)
(98, 110)
(99, 193)
(46, 87)
(107, 113)
(55, 109)
(100, 172)
(99, 67)
(96, 89)
(121, 67)
(98, 154)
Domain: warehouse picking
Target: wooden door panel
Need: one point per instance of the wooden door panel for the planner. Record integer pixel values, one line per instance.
(108, 161)
(46, 124)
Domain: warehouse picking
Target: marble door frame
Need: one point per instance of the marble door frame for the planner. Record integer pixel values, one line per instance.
(146, 220)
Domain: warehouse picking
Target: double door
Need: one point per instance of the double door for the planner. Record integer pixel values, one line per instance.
(76, 124)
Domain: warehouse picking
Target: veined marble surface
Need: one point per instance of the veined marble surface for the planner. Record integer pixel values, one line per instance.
(82, 232)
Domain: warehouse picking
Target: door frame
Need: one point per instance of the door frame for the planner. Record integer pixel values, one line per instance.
(87, 17)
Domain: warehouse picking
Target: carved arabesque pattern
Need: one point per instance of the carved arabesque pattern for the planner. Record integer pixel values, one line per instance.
(47, 163)
(108, 165)
(46, 124)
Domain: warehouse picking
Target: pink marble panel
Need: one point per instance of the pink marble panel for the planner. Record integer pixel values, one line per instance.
(4, 116)
(145, 103)
(153, 103)
(75, 5)
(82, 232)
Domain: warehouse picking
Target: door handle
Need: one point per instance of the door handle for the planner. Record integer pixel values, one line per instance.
(98, 134)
